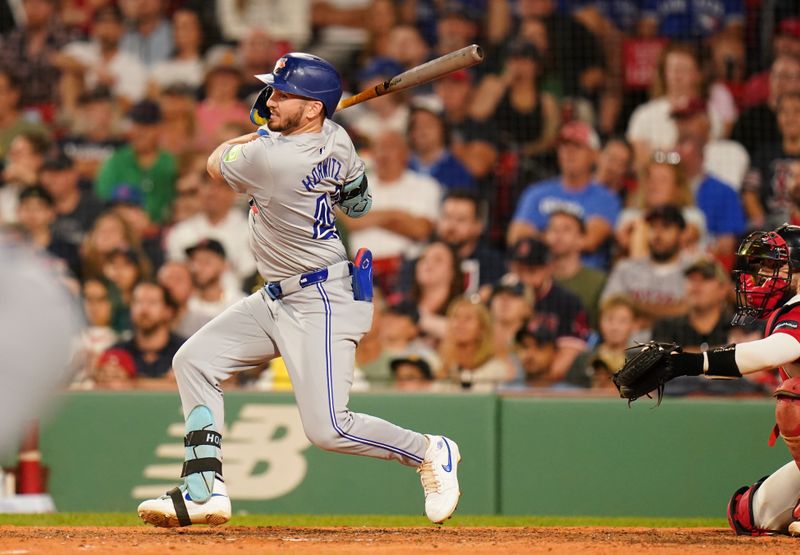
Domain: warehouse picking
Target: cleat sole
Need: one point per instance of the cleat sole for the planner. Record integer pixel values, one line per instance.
(159, 520)
(162, 520)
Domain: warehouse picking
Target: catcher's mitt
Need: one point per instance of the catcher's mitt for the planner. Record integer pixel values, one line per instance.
(647, 368)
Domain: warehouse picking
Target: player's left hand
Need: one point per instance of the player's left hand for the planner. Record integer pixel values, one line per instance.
(650, 366)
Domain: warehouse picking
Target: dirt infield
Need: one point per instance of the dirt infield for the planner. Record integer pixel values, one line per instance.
(16, 540)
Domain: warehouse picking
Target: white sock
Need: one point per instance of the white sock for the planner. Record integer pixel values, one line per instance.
(774, 501)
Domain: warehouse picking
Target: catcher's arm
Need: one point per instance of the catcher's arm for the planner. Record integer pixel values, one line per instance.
(650, 366)
(745, 358)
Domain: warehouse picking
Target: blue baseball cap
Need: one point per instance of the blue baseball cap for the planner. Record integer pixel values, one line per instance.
(145, 112)
(382, 67)
(530, 251)
(126, 194)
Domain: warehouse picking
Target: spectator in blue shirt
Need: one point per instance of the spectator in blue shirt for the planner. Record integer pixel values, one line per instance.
(718, 201)
(429, 138)
(691, 19)
(574, 191)
(623, 14)
(149, 35)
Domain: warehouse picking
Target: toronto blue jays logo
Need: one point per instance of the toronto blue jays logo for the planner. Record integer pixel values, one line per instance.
(280, 64)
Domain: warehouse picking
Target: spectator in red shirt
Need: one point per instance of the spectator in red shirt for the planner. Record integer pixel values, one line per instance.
(785, 42)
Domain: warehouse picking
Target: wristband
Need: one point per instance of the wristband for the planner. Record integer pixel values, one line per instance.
(687, 364)
(722, 362)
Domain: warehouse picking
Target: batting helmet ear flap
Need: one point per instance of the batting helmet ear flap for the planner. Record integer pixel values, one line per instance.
(259, 113)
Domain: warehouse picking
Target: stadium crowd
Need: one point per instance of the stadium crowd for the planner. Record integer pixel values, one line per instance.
(584, 188)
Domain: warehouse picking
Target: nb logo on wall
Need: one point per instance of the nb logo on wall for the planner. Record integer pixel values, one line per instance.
(263, 455)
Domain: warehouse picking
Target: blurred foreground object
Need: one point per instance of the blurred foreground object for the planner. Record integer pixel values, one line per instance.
(39, 325)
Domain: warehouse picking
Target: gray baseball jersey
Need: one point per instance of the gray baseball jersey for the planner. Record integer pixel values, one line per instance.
(293, 181)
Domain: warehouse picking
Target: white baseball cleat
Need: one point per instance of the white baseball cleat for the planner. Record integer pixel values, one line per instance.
(438, 474)
(176, 508)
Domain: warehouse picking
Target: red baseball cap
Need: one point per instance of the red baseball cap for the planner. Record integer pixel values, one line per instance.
(121, 358)
(580, 133)
(459, 75)
(790, 26)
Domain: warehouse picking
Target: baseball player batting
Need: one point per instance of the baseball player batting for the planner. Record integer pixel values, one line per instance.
(767, 288)
(315, 307)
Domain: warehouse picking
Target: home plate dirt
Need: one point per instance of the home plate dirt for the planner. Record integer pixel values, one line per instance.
(28, 540)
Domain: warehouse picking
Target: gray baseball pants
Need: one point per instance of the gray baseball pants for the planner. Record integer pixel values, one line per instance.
(316, 331)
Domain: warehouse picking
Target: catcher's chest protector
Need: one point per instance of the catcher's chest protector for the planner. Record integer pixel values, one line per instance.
(772, 322)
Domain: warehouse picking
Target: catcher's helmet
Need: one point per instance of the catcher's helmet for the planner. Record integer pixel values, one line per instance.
(308, 76)
(766, 261)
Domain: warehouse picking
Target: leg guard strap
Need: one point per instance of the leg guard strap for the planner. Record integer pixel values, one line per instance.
(202, 437)
(740, 511)
(207, 464)
(180, 506)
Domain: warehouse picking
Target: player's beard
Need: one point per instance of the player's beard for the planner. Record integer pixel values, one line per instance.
(288, 122)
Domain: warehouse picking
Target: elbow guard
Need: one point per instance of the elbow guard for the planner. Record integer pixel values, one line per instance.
(355, 199)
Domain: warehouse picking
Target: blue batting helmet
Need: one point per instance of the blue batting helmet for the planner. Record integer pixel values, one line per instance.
(306, 75)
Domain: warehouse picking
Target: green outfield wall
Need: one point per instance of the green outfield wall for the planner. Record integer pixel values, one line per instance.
(521, 455)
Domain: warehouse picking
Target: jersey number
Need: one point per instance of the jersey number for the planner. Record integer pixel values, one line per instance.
(324, 226)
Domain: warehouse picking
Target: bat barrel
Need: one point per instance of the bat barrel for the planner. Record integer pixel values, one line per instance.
(424, 73)
(434, 69)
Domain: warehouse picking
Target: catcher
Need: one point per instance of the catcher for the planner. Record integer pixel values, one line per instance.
(767, 288)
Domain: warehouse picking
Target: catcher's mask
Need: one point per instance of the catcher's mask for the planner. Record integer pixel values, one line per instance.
(763, 276)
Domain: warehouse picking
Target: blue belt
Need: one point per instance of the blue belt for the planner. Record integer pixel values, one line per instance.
(279, 289)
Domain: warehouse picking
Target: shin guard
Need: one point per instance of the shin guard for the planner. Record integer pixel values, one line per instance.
(740, 511)
(787, 415)
(203, 454)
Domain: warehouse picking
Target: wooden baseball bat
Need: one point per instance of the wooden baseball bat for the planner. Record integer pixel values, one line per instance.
(441, 66)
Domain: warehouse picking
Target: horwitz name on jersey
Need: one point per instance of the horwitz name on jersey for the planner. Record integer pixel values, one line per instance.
(328, 168)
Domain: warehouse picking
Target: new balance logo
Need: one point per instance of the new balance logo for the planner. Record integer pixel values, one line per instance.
(264, 455)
